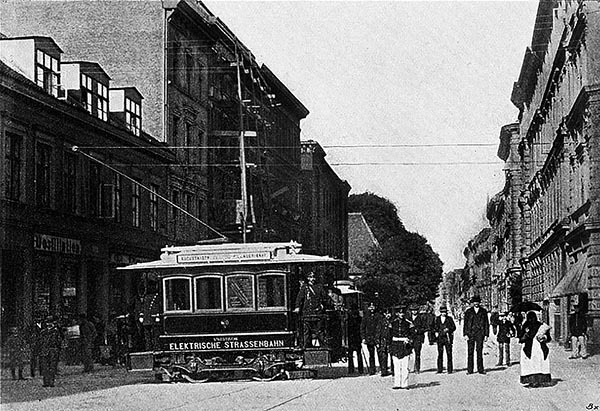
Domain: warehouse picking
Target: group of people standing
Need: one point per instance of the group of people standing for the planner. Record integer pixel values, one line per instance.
(397, 334)
(41, 344)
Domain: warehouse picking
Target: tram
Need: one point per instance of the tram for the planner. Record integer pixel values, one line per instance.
(227, 311)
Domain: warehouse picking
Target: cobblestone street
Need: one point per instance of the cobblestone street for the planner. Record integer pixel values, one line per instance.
(575, 386)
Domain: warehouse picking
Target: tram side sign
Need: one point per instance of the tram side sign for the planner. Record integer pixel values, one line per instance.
(212, 258)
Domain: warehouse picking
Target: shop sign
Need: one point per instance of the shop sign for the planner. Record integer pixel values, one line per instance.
(55, 244)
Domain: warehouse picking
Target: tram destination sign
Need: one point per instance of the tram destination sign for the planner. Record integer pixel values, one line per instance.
(213, 258)
(230, 342)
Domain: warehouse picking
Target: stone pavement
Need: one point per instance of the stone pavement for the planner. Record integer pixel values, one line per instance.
(575, 386)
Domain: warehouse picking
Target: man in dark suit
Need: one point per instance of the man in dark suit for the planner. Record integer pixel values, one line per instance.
(476, 331)
(421, 326)
(443, 329)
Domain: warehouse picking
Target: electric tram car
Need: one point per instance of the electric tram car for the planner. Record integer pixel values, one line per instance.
(227, 311)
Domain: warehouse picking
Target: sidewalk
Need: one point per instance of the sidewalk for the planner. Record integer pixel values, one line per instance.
(71, 380)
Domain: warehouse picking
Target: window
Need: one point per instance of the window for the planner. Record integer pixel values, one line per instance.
(271, 291)
(175, 131)
(135, 205)
(94, 189)
(187, 143)
(133, 116)
(175, 201)
(153, 207)
(46, 73)
(209, 293)
(188, 198)
(240, 292)
(190, 70)
(177, 294)
(199, 209)
(42, 173)
(70, 182)
(95, 97)
(176, 62)
(13, 166)
(118, 198)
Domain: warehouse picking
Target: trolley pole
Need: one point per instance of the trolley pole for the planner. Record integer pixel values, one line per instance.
(242, 146)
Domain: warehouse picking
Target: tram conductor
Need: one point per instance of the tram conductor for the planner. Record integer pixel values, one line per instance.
(311, 303)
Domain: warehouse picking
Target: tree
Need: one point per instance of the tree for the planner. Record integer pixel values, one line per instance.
(404, 269)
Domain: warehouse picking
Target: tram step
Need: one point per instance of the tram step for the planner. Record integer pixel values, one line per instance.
(316, 357)
(301, 374)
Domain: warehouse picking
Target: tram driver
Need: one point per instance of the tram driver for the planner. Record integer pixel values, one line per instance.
(311, 303)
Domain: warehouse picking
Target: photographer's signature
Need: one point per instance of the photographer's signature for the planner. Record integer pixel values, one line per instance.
(592, 406)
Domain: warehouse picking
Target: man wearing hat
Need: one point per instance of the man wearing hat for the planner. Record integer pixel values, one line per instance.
(402, 332)
(476, 331)
(421, 326)
(50, 343)
(505, 331)
(443, 329)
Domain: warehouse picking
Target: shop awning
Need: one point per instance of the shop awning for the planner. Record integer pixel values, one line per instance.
(574, 281)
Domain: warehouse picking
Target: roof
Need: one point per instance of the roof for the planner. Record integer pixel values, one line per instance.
(231, 254)
(360, 241)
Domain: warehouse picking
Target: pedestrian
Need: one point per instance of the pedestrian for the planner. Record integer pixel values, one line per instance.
(368, 333)
(578, 331)
(50, 345)
(87, 337)
(73, 339)
(476, 330)
(383, 343)
(443, 329)
(354, 340)
(535, 360)
(421, 326)
(33, 338)
(18, 351)
(403, 333)
(311, 302)
(505, 331)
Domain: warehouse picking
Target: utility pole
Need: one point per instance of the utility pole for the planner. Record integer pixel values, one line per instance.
(242, 146)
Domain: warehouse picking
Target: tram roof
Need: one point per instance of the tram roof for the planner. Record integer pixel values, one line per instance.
(231, 254)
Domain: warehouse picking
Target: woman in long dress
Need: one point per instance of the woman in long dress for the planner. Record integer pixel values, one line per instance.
(535, 359)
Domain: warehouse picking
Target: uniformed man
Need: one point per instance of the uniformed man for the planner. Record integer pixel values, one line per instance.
(310, 303)
(403, 333)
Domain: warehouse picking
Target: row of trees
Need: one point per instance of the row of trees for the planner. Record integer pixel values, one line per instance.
(404, 269)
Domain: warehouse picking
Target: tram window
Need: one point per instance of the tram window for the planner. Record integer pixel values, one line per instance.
(208, 293)
(240, 292)
(177, 294)
(271, 291)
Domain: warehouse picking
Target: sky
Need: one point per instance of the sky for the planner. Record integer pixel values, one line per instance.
(433, 75)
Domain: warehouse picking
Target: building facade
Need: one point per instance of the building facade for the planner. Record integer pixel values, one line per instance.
(547, 218)
(558, 96)
(324, 205)
(66, 219)
(202, 90)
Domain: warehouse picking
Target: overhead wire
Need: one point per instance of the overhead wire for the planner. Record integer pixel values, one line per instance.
(77, 149)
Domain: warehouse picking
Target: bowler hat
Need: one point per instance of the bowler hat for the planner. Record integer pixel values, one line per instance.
(476, 299)
(414, 307)
(443, 309)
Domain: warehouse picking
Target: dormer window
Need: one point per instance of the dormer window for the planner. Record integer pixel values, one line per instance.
(133, 116)
(94, 97)
(46, 72)
(126, 108)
